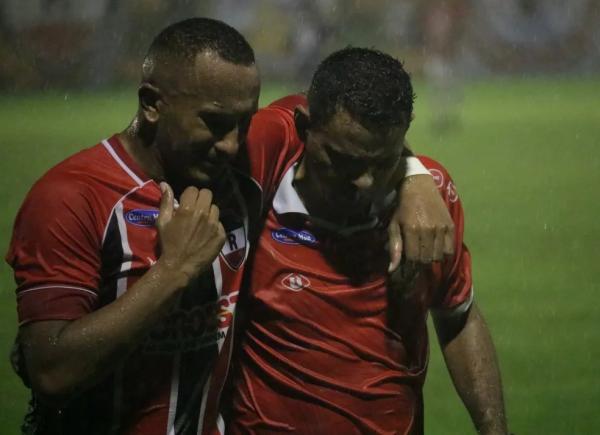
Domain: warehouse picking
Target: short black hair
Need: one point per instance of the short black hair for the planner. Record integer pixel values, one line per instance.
(185, 39)
(370, 85)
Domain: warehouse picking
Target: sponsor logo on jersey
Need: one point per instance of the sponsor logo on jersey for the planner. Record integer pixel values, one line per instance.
(451, 192)
(450, 188)
(142, 218)
(438, 177)
(293, 237)
(295, 282)
(193, 329)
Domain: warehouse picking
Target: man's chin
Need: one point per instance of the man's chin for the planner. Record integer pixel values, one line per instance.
(205, 176)
(353, 210)
(344, 215)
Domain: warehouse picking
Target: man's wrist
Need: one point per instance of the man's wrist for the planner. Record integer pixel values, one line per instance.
(493, 425)
(170, 274)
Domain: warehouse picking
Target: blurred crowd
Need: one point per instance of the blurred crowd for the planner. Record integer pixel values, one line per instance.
(96, 43)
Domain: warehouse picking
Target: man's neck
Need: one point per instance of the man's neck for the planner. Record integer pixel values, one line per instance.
(143, 153)
(304, 188)
(319, 205)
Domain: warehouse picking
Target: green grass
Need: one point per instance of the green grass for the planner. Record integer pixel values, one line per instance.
(526, 159)
(527, 164)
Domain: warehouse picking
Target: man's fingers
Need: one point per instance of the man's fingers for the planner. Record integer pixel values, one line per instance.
(426, 245)
(187, 200)
(213, 216)
(449, 241)
(438, 245)
(410, 244)
(221, 234)
(166, 204)
(207, 215)
(204, 200)
(201, 210)
(394, 246)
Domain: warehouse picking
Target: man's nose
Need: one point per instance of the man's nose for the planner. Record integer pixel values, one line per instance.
(229, 143)
(364, 181)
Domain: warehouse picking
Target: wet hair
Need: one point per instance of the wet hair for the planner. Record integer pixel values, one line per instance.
(183, 40)
(371, 86)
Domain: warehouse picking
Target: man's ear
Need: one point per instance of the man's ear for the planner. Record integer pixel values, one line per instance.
(302, 121)
(149, 98)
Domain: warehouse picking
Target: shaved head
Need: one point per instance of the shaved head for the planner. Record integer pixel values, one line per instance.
(177, 47)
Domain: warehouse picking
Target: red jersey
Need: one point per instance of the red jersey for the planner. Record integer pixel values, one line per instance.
(328, 347)
(83, 236)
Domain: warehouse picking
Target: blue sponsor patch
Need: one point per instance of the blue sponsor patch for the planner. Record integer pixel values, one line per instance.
(293, 237)
(142, 218)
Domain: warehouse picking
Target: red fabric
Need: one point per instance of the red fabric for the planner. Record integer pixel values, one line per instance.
(272, 144)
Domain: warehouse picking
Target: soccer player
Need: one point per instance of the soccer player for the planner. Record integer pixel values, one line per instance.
(329, 345)
(125, 296)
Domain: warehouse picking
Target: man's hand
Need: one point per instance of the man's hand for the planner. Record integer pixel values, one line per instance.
(421, 228)
(191, 237)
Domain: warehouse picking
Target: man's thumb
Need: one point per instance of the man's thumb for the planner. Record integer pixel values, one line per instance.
(395, 246)
(166, 204)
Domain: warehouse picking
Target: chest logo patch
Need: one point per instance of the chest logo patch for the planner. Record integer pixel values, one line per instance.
(293, 237)
(295, 282)
(234, 249)
(141, 217)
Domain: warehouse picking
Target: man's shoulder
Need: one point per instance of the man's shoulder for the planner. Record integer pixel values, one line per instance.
(87, 178)
(289, 102)
(272, 144)
(431, 163)
(277, 119)
(74, 172)
(84, 163)
(103, 164)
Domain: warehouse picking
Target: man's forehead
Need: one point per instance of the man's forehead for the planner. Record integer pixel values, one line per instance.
(210, 68)
(345, 134)
(218, 83)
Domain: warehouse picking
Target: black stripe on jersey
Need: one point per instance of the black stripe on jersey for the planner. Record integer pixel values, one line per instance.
(199, 304)
(112, 258)
(253, 197)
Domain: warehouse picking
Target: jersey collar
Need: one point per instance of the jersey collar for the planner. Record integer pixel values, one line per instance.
(287, 200)
(117, 150)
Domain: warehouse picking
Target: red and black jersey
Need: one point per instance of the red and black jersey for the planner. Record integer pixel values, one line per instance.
(329, 345)
(84, 235)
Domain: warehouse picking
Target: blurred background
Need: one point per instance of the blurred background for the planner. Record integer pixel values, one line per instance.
(508, 98)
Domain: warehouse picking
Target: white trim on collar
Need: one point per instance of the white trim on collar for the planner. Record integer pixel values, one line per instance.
(121, 163)
(286, 198)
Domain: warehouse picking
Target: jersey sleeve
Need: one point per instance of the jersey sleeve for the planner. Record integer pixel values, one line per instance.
(454, 291)
(55, 252)
(272, 144)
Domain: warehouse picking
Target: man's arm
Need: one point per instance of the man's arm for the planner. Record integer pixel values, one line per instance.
(421, 228)
(66, 357)
(471, 360)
